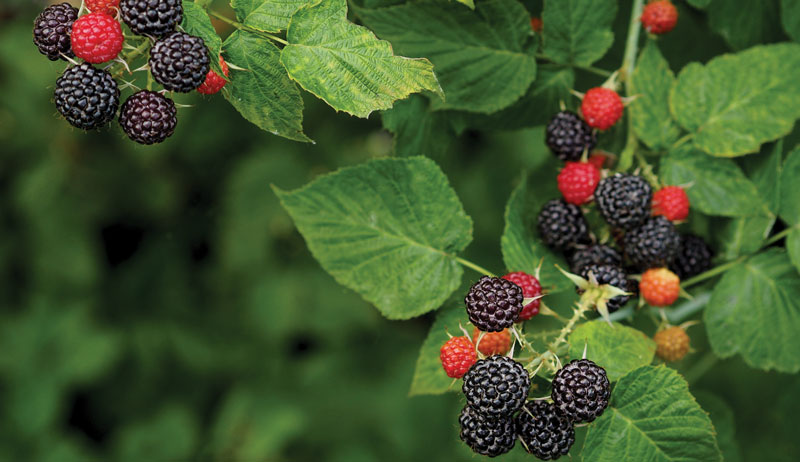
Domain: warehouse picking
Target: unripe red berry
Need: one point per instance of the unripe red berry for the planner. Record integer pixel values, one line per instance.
(601, 108)
(672, 202)
(110, 7)
(659, 17)
(96, 38)
(577, 182)
(537, 24)
(530, 288)
(457, 356)
(214, 82)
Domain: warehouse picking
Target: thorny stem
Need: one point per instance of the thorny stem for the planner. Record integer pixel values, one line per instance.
(590, 69)
(475, 267)
(567, 329)
(132, 55)
(628, 64)
(245, 27)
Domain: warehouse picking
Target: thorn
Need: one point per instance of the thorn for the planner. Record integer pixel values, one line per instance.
(235, 67)
(577, 280)
(466, 334)
(546, 311)
(585, 348)
(70, 60)
(179, 105)
(526, 301)
(145, 67)
(578, 94)
(539, 270)
(689, 324)
(602, 308)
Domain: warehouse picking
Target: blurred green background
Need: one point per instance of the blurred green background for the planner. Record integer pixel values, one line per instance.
(157, 304)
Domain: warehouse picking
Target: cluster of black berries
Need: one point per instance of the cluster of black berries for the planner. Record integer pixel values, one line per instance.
(89, 97)
(498, 413)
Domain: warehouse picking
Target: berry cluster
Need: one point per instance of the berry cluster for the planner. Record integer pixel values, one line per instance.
(89, 97)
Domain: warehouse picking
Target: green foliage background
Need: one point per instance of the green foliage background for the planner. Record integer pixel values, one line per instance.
(158, 303)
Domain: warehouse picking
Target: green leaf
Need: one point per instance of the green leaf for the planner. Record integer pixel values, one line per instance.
(196, 22)
(722, 417)
(765, 170)
(469, 3)
(522, 249)
(651, 82)
(263, 94)
(171, 434)
(755, 312)
(418, 130)
(744, 23)
(652, 416)
(743, 236)
(793, 246)
(478, 55)
(429, 377)
(716, 186)
(346, 65)
(790, 18)
(790, 188)
(702, 4)
(577, 31)
(388, 229)
(266, 15)
(731, 103)
(618, 349)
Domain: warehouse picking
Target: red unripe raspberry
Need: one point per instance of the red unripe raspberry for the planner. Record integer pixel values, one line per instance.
(537, 24)
(96, 38)
(457, 356)
(601, 108)
(672, 202)
(598, 159)
(659, 17)
(577, 182)
(660, 287)
(214, 82)
(672, 343)
(492, 343)
(109, 7)
(530, 288)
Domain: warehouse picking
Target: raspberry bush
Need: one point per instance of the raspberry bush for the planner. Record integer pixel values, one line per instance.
(634, 163)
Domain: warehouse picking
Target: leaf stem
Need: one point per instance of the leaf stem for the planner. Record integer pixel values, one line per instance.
(245, 27)
(474, 267)
(712, 272)
(683, 140)
(590, 69)
(780, 236)
(626, 71)
(703, 365)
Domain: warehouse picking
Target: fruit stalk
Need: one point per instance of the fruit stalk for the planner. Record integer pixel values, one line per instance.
(245, 27)
(628, 64)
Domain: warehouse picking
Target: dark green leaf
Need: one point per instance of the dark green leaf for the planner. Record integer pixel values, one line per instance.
(722, 417)
(790, 17)
(652, 81)
(418, 130)
(790, 188)
(578, 31)
(744, 23)
(618, 349)
(266, 15)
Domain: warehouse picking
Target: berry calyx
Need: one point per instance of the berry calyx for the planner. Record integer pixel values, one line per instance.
(568, 136)
(652, 245)
(659, 17)
(671, 202)
(457, 356)
(672, 343)
(537, 24)
(109, 7)
(562, 225)
(214, 82)
(87, 97)
(531, 288)
(485, 436)
(179, 62)
(496, 387)
(493, 304)
(51, 31)
(660, 287)
(492, 343)
(611, 275)
(544, 430)
(148, 117)
(624, 200)
(96, 38)
(581, 390)
(577, 182)
(601, 107)
(151, 17)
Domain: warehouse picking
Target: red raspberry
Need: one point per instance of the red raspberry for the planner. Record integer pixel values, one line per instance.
(530, 288)
(109, 7)
(672, 202)
(598, 159)
(577, 182)
(457, 355)
(214, 82)
(672, 343)
(660, 287)
(492, 343)
(536, 24)
(96, 38)
(601, 108)
(659, 17)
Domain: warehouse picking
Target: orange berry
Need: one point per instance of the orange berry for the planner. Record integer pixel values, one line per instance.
(660, 287)
(493, 343)
(672, 344)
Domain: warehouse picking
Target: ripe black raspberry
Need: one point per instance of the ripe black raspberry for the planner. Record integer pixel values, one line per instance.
(693, 257)
(493, 304)
(562, 225)
(179, 61)
(151, 17)
(496, 387)
(87, 97)
(51, 30)
(624, 200)
(568, 136)
(486, 436)
(544, 430)
(613, 276)
(581, 390)
(148, 117)
(594, 255)
(652, 245)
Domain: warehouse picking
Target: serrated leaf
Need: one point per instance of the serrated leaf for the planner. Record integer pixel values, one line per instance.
(577, 31)
(346, 65)
(731, 103)
(522, 249)
(722, 417)
(618, 349)
(743, 236)
(790, 18)
(429, 376)
(744, 23)
(652, 416)
(790, 188)
(196, 22)
(418, 130)
(717, 186)
(263, 94)
(765, 171)
(266, 15)
(651, 82)
(755, 312)
(388, 229)
(478, 55)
